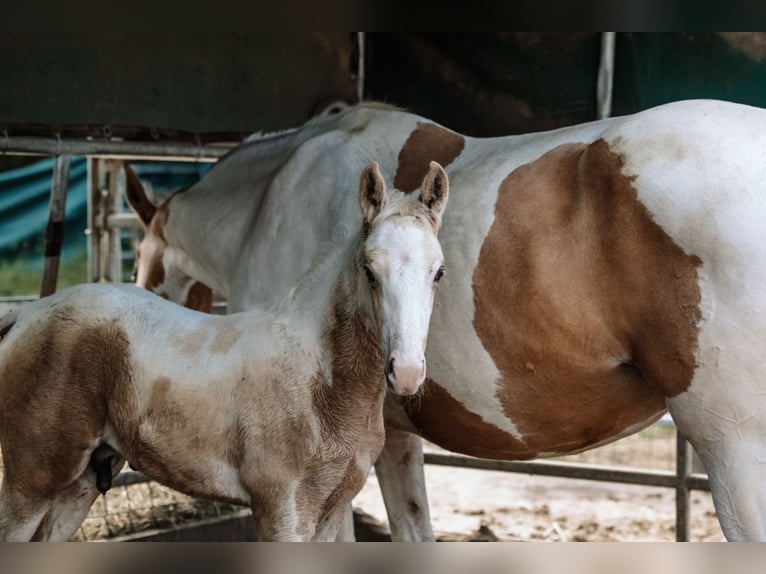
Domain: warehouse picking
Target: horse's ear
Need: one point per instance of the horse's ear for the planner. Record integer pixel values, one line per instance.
(435, 190)
(372, 193)
(136, 197)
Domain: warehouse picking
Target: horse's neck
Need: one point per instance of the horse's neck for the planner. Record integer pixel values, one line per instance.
(213, 218)
(216, 213)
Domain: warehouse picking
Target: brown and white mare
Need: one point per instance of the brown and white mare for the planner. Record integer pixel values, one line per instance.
(599, 275)
(279, 408)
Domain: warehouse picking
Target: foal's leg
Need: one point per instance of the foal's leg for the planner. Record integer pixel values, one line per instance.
(20, 515)
(72, 505)
(399, 469)
(330, 529)
(346, 529)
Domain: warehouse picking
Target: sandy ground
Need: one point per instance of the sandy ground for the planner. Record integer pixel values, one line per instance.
(494, 505)
(469, 504)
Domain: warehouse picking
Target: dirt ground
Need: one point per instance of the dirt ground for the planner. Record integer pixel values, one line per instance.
(471, 504)
(468, 504)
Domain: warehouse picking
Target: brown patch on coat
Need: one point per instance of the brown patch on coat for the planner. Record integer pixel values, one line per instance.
(174, 420)
(588, 308)
(428, 142)
(200, 298)
(190, 342)
(349, 412)
(357, 373)
(225, 339)
(443, 420)
(57, 388)
(155, 274)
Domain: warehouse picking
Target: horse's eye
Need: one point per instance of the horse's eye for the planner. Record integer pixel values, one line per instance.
(370, 275)
(439, 274)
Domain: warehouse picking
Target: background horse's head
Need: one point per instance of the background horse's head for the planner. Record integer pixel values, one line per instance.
(402, 263)
(153, 269)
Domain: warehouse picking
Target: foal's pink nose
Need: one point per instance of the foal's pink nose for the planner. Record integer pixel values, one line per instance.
(405, 374)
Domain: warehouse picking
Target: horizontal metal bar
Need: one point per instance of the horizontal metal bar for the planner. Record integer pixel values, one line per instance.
(18, 299)
(128, 477)
(176, 151)
(124, 221)
(572, 470)
(599, 472)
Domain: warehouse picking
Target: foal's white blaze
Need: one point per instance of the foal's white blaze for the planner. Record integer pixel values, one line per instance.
(406, 300)
(403, 263)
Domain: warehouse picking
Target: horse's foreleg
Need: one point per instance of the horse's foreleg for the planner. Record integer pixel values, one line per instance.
(399, 469)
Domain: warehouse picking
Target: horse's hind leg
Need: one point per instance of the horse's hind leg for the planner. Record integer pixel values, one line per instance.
(20, 515)
(732, 446)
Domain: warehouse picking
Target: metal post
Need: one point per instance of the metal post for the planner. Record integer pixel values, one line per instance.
(683, 471)
(605, 76)
(54, 232)
(360, 79)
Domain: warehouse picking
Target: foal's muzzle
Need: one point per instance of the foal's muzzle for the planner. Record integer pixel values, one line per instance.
(405, 374)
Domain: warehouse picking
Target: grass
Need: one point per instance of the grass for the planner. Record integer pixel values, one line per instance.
(20, 278)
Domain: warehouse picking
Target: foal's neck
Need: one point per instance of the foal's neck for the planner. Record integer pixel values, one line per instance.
(351, 383)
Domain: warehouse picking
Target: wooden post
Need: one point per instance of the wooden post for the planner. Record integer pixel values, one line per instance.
(54, 232)
(112, 248)
(94, 220)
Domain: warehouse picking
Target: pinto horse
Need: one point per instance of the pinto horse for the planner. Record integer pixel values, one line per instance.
(600, 274)
(280, 408)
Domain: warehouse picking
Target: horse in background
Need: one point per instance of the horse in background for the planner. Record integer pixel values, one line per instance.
(601, 274)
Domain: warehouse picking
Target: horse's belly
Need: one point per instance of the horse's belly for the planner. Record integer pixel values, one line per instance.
(542, 420)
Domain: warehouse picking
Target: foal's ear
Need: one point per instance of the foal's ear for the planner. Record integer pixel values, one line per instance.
(372, 193)
(136, 197)
(435, 190)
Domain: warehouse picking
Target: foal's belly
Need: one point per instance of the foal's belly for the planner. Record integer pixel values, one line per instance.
(186, 461)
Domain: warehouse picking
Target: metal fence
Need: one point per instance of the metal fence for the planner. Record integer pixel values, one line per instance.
(106, 219)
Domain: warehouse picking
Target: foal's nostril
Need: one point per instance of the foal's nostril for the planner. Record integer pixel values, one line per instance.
(390, 366)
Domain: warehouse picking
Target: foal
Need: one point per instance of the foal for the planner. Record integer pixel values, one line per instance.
(277, 408)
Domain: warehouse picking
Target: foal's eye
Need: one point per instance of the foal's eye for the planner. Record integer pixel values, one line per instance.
(370, 275)
(439, 274)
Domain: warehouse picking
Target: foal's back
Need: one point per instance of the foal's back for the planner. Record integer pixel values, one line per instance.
(116, 364)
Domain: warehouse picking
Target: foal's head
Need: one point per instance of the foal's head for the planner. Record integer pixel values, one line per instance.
(152, 270)
(401, 264)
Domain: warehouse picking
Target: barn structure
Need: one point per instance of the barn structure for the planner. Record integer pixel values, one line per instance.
(100, 99)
